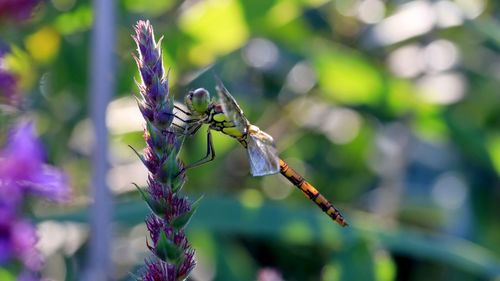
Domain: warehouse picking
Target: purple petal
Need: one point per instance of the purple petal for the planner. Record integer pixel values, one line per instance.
(5, 250)
(50, 183)
(27, 276)
(22, 155)
(24, 239)
(10, 200)
(21, 164)
(24, 143)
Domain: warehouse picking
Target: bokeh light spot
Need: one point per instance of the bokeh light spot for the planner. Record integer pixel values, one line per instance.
(297, 232)
(471, 8)
(301, 78)
(341, 125)
(43, 45)
(411, 19)
(371, 11)
(331, 272)
(63, 5)
(406, 61)
(450, 191)
(251, 198)
(261, 53)
(123, 116)
(275, 188)
(448, 14)
(445, 88)
(282, 13)
(441, 55)
(346, 7)
(79, 19)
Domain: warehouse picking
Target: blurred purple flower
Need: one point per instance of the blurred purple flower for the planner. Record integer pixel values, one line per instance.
(10, 199)
(5, 246)
(17, 9)
(24, 239)
(17, 241)
(23, 172)
(28, 276)
(22, 167)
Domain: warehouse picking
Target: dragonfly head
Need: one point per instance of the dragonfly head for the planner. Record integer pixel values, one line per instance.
(198, 100)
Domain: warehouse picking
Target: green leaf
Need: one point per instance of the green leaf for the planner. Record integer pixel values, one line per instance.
(157, 138)
(170, 171)
(167, 251)
(159, 207)
(139, 155)
(177, 182)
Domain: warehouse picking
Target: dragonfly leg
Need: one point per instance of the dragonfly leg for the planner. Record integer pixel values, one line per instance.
(193, 129)
(182, 110)
(192, 126)
(181, 130)
(186, 121)
(188, 130)
(208, 157)
(178, 126)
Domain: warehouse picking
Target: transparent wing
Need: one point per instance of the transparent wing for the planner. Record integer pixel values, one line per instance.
(262, 154)
(231, 108)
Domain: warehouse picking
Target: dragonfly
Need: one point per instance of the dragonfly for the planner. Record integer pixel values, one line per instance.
(227, 117)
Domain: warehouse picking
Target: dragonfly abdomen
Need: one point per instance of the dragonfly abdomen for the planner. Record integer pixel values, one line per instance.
(312, 193)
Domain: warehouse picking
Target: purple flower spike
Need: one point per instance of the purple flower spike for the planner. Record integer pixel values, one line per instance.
(173, 257)
(22, 166)
(157, 270)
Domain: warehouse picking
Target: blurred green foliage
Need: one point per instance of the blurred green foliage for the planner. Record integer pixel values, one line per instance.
(397, 123)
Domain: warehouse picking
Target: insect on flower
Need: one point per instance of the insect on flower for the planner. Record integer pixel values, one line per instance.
(227, 117)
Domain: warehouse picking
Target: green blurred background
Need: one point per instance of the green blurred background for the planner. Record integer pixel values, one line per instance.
(390, 108)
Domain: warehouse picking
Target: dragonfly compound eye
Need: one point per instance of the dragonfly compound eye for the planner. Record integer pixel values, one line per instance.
(200, 99)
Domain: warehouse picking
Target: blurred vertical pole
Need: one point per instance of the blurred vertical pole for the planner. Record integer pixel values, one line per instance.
(101, 90)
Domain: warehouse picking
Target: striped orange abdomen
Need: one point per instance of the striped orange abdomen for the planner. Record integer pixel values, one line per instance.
(311, 193)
